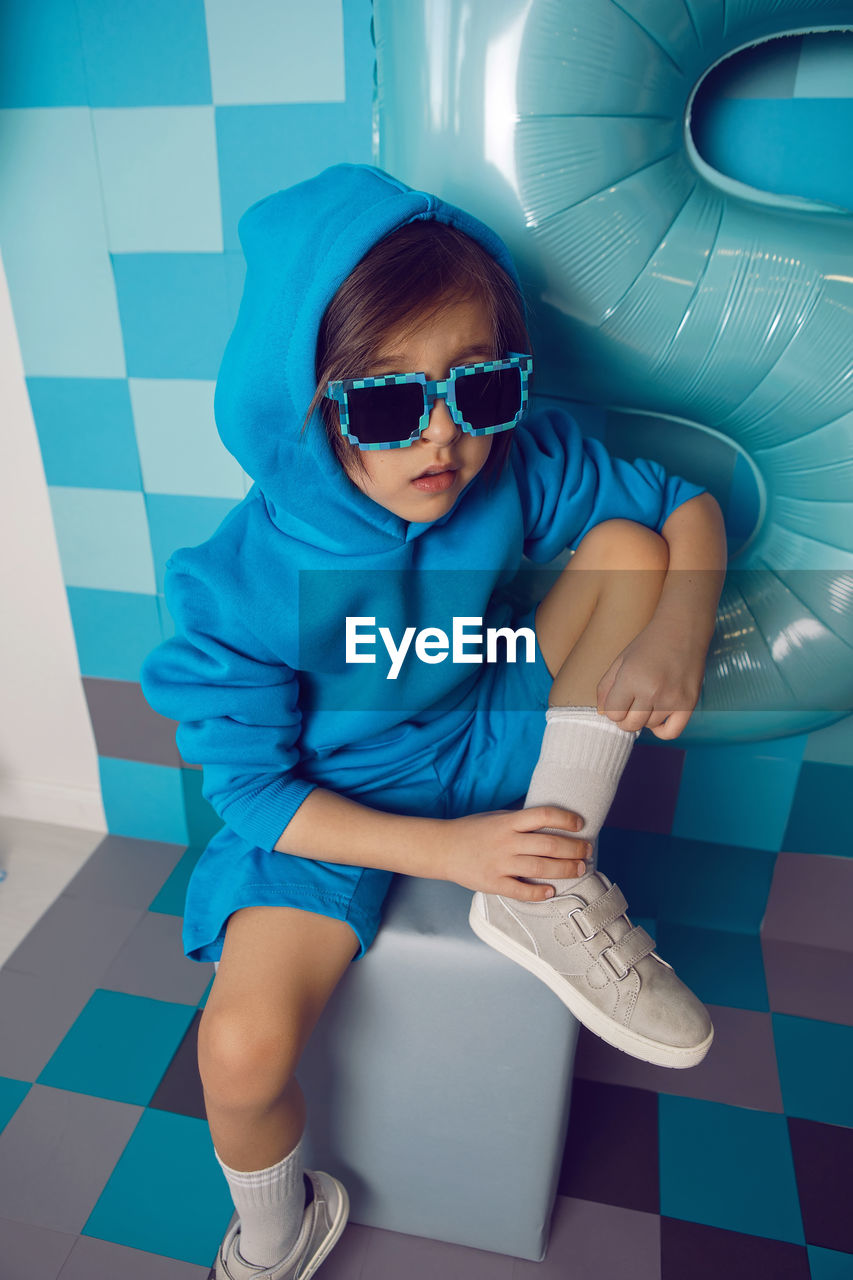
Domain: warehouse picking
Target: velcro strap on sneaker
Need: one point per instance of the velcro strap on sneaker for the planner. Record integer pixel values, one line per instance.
(590, 919)
(628, 950)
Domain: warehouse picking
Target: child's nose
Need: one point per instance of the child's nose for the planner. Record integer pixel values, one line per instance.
(441, 427)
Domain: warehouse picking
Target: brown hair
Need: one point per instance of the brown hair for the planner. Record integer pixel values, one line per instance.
(405, 280)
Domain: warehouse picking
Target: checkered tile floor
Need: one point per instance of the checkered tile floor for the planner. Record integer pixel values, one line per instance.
(739, 1167)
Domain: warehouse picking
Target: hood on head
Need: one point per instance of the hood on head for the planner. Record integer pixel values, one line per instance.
(300, 245)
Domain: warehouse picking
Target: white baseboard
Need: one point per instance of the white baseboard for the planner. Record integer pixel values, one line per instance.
(38, 801)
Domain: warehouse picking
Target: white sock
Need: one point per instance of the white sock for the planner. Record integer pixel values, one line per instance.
(271, 1205)
(582, 758)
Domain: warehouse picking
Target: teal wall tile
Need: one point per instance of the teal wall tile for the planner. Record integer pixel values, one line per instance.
(802, 147)
(825, 66)
(145, 52)
(276, 51)
(703, 1180)
(113, 630)
(145, 801)
(832, 745)
(720, 967)
(820, 813)
(118, 1047)
(166, 1195)
(160, 179)
(262, 149)
(174, 313)
(85, 431)
(58, 269)
(739, 795)
(41, 56)
(102, 536)
(179, 447)
(181, 521)
(815, 1065)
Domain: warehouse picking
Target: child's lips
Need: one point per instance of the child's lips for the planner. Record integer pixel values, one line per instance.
(435, 481)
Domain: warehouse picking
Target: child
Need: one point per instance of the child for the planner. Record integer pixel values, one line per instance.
(374, 389)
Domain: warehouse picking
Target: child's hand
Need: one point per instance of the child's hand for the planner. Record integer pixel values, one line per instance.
(486, 851)
(655, 681)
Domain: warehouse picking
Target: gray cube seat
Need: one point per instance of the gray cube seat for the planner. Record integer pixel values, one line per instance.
(438, 1081)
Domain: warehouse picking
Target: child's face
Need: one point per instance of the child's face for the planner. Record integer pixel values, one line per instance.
(458, 334)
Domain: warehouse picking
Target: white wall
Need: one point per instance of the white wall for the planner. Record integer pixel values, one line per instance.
(48, 758)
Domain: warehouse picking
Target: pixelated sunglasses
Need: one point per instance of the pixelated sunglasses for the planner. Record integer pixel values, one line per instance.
(392, 411)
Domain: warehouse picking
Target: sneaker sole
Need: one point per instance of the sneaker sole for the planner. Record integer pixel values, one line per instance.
(661, 1055)
(334, 1235)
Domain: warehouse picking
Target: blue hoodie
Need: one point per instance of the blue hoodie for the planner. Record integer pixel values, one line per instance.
(255, 674)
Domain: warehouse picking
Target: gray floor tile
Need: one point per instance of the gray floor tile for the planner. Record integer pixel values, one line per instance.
(811, 901)
(346, 1261)
(808, 982)
(180, 1089)
(75, 938)
(151, 962)
(57, 1154)
(125, 872)
(596, 1241)
(739, 1069)
(32, 1253)
(36, 1014)
(92, 1259)
(391, 1254)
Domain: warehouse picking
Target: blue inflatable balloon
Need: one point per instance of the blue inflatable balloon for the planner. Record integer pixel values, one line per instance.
(660, 285)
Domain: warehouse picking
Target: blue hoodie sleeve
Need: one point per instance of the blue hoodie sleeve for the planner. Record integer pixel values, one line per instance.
(568, 483)
(237, 708)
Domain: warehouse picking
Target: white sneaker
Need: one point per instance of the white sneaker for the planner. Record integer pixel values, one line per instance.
(603, 968)
(325, 1217)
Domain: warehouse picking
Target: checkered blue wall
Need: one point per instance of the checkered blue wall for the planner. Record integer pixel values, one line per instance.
(133, 134)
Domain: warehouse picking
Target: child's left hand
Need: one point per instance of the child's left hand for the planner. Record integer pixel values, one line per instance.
(655, 681)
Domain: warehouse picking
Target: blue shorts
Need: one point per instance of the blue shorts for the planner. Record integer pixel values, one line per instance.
(484, 763)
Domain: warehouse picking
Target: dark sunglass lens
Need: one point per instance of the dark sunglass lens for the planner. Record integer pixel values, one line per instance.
(378, 415)
(489, 399)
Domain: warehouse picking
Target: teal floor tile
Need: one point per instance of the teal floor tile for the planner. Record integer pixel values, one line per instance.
(740, 795)
(728, 1167)
(142, 800)
(166, 1195)
(172, 896)
(720, 967)
(828, 1264)
(820, 813)
(118, 1047)
(12, 1094)
(832, 744)
(815, 1068)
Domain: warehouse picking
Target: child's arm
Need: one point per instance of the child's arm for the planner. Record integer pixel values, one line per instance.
(485, 851)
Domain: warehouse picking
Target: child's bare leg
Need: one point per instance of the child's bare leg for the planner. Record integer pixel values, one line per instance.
(602, 600)
(278, 968)
(607, 593)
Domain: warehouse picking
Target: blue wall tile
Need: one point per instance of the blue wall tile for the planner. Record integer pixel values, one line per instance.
(145, 52)
(114, 631)
(175, 313)
(85, 430)
(41, 56)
